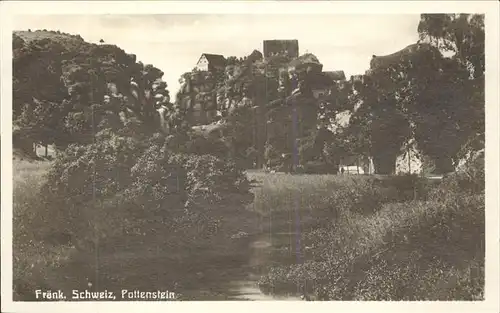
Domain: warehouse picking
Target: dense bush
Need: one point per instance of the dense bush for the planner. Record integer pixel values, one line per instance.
(159, 173)
(98, 170)
(407, 187)
(469, 179)
(139, 174)
(361, 196)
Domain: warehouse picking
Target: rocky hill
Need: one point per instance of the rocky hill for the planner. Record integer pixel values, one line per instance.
(60, 80)
(251, 102)
(66, 89)
(264, 109)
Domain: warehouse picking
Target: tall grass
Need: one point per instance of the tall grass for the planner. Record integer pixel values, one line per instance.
(31, 255)
(372, 242)
(283, 192)
(318, 198)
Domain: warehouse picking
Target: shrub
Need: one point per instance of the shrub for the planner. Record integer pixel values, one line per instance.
(92, 187)
(161, 175)
(115, 180)
(200, 145)
(98, 170)
(408, 187)
(470, 179)
(214, 177)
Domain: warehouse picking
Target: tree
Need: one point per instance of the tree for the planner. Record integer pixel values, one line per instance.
(450, 106)
(377, 127)
(461, 34)
(40, 120)
(232, 60)
(442, 98)
(66, 90)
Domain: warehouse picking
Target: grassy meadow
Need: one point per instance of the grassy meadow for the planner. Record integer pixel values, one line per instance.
(32, 256)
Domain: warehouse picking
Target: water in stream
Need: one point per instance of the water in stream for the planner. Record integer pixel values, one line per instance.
(261, 256)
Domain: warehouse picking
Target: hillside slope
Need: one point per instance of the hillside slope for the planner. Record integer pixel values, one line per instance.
(57, 36)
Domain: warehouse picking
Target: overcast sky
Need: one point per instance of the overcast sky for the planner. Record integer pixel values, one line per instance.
(174, 43)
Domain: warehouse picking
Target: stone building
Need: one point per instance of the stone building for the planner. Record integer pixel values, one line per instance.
(210, 62)
(197, 96)
(324, 81)
(277, 47)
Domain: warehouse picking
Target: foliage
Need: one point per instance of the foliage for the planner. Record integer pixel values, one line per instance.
(413, 250)
(456, 89)
(145, 170)
(252, 91)
(67, 90)
(418, 93)
(160, 174)
(97, 170)
(469, 179)
(120, 164)
(442, 109)
(462, 34)
(378, 127)
(439, 101)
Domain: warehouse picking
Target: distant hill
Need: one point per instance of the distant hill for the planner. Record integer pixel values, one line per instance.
(29, 36)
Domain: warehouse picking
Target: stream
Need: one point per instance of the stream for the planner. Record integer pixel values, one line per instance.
(261, 256)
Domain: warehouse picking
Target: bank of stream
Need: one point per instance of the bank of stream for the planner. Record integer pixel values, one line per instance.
(226, 267)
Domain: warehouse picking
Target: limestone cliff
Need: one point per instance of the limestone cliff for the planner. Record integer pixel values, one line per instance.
(258, 102)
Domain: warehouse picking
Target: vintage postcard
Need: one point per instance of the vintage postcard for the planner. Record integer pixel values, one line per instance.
(296, 155)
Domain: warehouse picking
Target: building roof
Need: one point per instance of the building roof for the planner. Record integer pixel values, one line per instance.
(320, 81)
(254, 56)
(335, 75)
(383, 61)
(326, 79)
(280, 40)
(307, 58)
(304, 61)
(214, 59)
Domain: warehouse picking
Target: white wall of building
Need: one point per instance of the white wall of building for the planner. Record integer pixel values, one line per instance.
(202, 64)
(414, 165)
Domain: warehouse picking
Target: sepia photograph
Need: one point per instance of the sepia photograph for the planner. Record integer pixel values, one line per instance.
(240, 156)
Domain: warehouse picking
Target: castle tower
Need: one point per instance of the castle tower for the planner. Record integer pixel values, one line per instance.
(286, 47)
